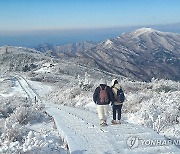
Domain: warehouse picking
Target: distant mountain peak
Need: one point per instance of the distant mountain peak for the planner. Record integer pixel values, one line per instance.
(108, 42)
(143, 30)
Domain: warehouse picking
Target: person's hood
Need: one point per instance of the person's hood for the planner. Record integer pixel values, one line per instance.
(112, 82)
(102, 82)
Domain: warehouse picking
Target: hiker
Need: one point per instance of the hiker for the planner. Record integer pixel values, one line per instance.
(102, 97)
(118, 102)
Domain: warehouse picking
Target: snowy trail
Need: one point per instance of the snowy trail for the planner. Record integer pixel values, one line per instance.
(25, 86)
(32, 94)
(84, 135)
(81, 135)
(81, 130)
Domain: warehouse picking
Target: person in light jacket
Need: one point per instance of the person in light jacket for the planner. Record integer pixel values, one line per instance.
(116, 106)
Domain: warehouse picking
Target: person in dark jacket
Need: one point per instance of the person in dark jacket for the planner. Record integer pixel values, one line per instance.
(102, 97)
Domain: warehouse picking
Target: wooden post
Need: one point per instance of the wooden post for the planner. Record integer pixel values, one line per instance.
(35, 99)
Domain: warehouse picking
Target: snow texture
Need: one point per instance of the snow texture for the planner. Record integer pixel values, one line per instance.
(151, 110)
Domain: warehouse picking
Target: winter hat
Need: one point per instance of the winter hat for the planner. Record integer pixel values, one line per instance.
(102, 81)
(113, 82)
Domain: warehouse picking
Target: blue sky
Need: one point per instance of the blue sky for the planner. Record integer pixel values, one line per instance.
(32, 22)
(25, 15)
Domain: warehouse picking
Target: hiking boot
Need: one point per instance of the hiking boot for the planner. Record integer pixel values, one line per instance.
(113, 122)
(119, 122)
(103, 124)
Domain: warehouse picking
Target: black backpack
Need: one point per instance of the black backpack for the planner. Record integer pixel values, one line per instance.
(120, 96)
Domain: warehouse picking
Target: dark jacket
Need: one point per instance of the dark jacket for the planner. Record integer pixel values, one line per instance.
(96, 98)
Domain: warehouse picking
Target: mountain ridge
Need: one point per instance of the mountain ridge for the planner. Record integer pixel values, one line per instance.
(142, 54)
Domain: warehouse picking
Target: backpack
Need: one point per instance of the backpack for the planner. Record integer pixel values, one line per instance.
(120, 96)
(103, 96)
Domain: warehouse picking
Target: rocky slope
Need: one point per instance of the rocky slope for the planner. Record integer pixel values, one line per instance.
(141, 54)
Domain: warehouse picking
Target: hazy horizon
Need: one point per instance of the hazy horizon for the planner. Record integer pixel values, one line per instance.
(29, 23)
(60, 37)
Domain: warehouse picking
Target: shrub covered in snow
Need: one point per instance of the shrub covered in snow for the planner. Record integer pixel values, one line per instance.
(154, 104)
(16, 137)
(16, 113)
(35, 142)
(7, 106)
(12, 132)
(85, 83)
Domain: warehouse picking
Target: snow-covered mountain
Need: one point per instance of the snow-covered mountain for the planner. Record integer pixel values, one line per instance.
(141, 54)
(46, 47)
(68, 49)
(20, 59)
(76, 47)
(150, 40)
